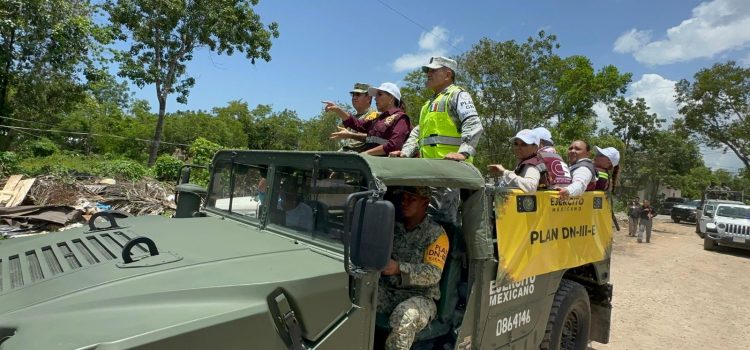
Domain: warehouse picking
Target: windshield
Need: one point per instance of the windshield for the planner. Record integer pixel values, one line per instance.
(734, 212)
(294, 198)
(692, 204)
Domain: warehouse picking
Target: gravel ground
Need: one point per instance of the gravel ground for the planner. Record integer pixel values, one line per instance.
(672, 294)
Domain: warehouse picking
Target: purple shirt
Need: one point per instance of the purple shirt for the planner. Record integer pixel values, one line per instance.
(392, 125)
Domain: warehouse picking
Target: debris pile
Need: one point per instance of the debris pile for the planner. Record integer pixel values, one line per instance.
(51, 203)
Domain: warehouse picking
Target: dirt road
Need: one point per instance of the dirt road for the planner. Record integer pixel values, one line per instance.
(672, 294)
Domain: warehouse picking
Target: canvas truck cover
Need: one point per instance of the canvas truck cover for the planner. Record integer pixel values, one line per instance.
(540, 233)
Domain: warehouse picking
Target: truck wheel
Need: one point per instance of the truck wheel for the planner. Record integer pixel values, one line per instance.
(676, 219)
(569, 320)
(708, 243)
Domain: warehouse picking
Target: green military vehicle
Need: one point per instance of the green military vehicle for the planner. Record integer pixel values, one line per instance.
(284, 252)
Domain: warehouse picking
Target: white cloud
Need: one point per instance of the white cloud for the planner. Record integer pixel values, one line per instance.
(715, 27)
(432, 43)
(602, 115)
(632, 41)
(659, 94)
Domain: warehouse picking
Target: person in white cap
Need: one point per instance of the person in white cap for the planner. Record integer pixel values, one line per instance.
(526, 175)
(386, 133)
(545, 140)
(607, 162)
(449, 126)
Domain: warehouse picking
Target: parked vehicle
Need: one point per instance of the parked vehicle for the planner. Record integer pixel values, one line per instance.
(232, 271)
(669, 202)
(715, 194)
(730, 227)
(706, 214)
(687, 211)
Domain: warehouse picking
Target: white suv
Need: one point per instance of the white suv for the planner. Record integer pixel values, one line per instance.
(730, 226)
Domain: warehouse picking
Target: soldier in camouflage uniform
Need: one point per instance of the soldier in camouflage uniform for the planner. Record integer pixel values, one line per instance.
(410, 283)
(352, 140)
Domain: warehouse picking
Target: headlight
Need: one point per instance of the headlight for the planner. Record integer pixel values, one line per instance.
(711, 226)
(722, 226)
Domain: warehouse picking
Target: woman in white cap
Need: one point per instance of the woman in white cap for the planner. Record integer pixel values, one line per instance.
(386, 133)
(526, 175)
(582, 169)
(607, 163)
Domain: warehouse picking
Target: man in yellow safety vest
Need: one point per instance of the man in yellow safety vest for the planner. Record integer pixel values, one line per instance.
(449, 126)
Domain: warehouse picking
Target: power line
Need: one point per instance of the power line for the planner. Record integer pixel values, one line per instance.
(19, 128)
(428, 31)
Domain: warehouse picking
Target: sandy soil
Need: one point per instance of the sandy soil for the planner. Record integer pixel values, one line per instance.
(672, 294)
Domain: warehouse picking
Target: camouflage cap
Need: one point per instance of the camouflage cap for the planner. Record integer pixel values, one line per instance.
(360, 88)
(421, 191)
(439, 62)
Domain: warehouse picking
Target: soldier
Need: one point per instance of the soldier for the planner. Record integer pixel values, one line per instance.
(409, 284)
(633, 215)
(361, 101)
(449, 128)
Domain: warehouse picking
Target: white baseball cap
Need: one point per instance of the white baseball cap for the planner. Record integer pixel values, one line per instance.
(610, 152)
(544, 134)
(390, 88)
(529, 137)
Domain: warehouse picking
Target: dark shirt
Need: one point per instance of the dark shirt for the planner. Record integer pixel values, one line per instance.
(392, 125)
(644, 211)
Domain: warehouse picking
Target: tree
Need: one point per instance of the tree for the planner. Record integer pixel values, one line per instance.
(525, 85)
(279, 130)
(632, 120)
(715, 107)
(46, 49)
(163, 34)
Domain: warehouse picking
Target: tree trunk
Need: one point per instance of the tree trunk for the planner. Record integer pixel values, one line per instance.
(158, 132)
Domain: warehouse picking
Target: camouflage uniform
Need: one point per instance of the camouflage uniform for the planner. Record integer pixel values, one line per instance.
(354, 145)
(409, 297)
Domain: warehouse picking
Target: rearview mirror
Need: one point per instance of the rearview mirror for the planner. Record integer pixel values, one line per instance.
(372, 233)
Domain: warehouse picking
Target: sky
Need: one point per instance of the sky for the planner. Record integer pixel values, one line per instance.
(325, 47)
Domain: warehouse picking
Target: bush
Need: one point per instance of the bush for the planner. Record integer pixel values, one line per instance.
(9, 163)
(40, 148)
(121, 169)
(167, 167)
(62, 163)
(202, 152)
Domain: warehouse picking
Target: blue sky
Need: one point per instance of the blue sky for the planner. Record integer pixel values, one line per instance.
(326, 46)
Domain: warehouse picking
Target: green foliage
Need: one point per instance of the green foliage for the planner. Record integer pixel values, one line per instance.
(62, 163)
(47, 48)
(167, 167)
(8, 163)
(40, 148)
(279, 130)
(164, 34)
(121, 169)
(202, 152)
(716, 107)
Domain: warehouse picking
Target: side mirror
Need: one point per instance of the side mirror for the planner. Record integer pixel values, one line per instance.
(372, 233)
(709, 214)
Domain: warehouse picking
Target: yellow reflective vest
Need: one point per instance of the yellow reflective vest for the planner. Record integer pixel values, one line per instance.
(438, 134)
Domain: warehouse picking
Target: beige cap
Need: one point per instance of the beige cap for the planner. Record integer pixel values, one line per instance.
(439, 62)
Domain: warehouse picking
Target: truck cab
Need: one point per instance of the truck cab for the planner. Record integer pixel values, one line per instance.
(285, 250)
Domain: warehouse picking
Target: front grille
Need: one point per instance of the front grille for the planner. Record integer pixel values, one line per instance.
(36, 265)
(737, 229)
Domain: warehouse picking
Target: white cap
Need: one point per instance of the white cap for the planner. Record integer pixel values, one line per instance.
(529, 137)
(610, 152)
(390, 88)
(544, 134)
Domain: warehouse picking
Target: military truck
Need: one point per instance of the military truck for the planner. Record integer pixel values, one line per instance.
(284, 250)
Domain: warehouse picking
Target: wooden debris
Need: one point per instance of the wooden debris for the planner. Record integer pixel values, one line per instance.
(15, 190)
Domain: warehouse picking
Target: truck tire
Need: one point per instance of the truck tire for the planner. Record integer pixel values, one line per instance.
(708, 244)
(675, 219)
(569, 320)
